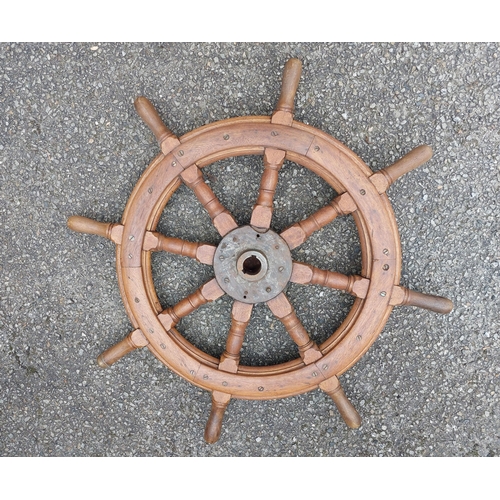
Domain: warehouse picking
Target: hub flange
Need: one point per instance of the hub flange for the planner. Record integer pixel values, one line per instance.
(252, 266)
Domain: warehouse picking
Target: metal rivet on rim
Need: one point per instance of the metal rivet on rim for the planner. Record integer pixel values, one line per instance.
(174, 163)
(268, 289)
(274, 133)
(362, 192)
(325, 367)
(385, 251)
(383, 294)
(281, 269)
(226, 137)
(385, 267)
(191, 372)
(163, 346)
(205, 377)
(226, 280)
(150, 190)
(316, 148)
(181, 153)
(224, 383)
(359, 337)
(131, 237)
(136, 299)
(261, 388)
(314, 374)
(129, 255)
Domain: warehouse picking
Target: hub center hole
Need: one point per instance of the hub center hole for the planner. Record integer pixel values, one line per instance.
(252, 265)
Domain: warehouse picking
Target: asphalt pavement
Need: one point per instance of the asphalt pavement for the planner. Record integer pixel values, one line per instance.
(71, 143)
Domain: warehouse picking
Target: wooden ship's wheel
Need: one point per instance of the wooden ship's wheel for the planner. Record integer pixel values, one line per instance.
(252, 263)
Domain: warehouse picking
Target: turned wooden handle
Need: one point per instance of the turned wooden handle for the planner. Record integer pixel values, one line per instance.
(346, 409)
(434, 303)
(289, 85)
(116, 352)
(333, 388)
(410, 161)
(214, 424)
(151, 118)
(89, 226)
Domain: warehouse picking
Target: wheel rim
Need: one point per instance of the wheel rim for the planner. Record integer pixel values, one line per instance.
(252, 136)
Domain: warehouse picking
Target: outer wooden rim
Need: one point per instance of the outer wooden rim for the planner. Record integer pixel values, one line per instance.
(339, 167)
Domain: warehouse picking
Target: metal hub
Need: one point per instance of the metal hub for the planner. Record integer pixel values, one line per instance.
(252, 266)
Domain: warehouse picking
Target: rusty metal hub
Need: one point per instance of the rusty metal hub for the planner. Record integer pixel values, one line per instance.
(252, 264)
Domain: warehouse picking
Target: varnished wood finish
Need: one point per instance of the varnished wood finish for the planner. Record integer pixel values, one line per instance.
(131, 342)
(240, 317)
(416, 157)
(206, 293)
(346, 409)
(201, 252)
(263, 209)
(286, 103)
(299, 232)
(284, 311)
(221, 218)
(310, 275)
(361, 193)
(403, 297)
(165, 137)
(220, 400)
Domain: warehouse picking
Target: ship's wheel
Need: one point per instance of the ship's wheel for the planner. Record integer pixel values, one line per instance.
(253, 264)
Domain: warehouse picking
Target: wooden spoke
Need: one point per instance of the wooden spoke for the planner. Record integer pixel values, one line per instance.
(157, 242)
(403, 297)
(283, 113)
(132, 341)
(284, 311)
(298, 233)
(220, 400)
(306, 274)
(207, 293)
(221, 218)
(109, 230)
(240, 317)
(385, 177)
(263, 209)
(167, 140)
(333, 388)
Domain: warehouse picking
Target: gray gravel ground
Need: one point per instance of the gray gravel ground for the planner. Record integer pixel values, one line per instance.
(71, 143)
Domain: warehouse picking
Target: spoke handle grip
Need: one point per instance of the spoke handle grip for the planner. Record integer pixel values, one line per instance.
(289, 85)
(89, 226)
(434, 303)
(116, 352)
(214, 424)
(151, 118)
(346, 409)
(407, 163)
